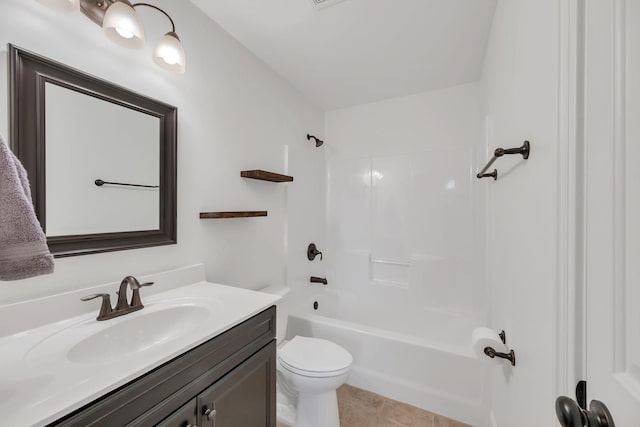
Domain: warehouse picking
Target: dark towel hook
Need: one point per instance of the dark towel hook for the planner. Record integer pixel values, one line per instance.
(499, 152)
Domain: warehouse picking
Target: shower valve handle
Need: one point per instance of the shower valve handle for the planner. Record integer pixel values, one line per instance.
(313, 252)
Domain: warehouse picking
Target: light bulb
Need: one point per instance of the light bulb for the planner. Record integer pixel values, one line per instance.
(124, 33)
(122, 25)
(170, 57)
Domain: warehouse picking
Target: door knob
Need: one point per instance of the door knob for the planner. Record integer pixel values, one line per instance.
(599, 415)
(571, 415)
(568, 412)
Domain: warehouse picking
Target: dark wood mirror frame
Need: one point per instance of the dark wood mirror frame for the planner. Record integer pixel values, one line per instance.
(28, 74)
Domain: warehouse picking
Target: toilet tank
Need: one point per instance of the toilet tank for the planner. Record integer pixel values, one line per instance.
(282, 309)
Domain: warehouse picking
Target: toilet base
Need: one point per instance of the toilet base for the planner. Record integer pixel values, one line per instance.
(286, 400)
(317, 410)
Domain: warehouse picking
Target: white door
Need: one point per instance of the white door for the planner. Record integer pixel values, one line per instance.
(611, 206)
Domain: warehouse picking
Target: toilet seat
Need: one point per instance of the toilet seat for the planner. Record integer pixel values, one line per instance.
(314, 357)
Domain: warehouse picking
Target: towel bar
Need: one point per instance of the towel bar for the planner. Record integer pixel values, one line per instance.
(100, 183)
(499, 152)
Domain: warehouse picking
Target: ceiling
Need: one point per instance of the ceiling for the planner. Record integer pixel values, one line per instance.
(359, 51)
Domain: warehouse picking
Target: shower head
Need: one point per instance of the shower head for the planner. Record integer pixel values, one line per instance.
(319, 142)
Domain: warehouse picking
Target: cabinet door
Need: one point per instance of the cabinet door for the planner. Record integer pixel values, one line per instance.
(186, 416)
(245, 397)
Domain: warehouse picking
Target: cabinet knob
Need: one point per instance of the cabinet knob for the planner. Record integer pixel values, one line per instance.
(210, 414)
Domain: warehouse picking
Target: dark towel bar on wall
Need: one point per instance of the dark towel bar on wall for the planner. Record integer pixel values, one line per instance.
(100, 183)
(499, 152)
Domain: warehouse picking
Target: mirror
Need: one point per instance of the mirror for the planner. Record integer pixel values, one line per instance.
(122, 149)
(101, 159)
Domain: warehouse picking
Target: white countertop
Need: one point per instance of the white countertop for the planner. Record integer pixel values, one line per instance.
(38, 382)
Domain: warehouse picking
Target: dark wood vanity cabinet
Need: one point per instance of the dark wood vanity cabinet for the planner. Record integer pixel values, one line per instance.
(238, 399)
(241, 398)
(228, 381)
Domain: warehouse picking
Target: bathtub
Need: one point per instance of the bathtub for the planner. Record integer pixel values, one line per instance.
(422, 357)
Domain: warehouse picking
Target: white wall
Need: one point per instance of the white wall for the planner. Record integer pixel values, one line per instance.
(521, 95)
(401, 189)
(234, 114)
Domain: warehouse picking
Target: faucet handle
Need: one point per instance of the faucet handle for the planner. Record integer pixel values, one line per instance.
(94, 296)
(136, 285)
(105, 308)
(136, 302)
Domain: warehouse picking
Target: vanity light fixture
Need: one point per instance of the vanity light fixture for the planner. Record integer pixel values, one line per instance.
(122, 25)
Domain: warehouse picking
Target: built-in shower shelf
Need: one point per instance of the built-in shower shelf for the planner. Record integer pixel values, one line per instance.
(266, 176)
(234, 214)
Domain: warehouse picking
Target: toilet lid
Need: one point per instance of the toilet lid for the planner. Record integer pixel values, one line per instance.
(314, 355)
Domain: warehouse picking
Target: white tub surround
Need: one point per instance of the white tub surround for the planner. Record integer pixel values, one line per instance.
(49, 370)
(404, 249)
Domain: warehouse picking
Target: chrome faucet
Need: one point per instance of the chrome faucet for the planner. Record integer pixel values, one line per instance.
(122, 306)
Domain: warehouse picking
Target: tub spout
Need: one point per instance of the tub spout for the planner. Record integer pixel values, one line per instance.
(322, 280)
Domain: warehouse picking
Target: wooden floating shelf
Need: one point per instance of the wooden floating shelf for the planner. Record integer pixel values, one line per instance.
(237, 214)
(266, 176)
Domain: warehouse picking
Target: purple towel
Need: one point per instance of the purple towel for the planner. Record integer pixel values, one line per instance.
(23, 245)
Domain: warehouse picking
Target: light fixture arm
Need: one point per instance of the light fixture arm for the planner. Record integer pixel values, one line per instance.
(173, 25)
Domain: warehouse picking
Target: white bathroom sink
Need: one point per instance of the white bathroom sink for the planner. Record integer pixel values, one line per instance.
(90, 341)
(137, 334)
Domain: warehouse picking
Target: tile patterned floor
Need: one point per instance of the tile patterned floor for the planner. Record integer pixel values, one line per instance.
(361, 408)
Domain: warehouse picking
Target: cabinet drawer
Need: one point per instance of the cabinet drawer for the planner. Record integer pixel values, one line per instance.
(154, 396)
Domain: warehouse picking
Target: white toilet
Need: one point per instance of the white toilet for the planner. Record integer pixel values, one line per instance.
(312, 367)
